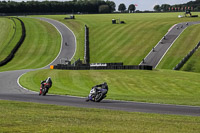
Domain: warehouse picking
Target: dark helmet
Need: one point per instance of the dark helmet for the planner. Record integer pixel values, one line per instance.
(104, 83)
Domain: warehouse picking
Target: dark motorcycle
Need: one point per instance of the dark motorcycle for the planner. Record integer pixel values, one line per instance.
(97, 94)
(45, 85)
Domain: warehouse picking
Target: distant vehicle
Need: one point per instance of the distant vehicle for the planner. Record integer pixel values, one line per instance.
(98, 93)
(45, 86)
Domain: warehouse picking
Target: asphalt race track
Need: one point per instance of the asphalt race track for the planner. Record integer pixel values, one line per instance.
(10, 90)
(159, 51)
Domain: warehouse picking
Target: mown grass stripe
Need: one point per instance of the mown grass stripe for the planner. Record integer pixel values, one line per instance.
(40, 47)
(154, 27)
(27, 117)
(145, 86)
(9, 39)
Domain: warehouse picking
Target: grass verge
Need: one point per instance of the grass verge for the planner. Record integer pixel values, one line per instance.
(193, 64)
(10, 33)
(32, 117)
(160, 86)
(183, 45)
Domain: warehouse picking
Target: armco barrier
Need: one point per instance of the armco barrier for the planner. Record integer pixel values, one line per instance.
(87, 49)
(12, 53)
(86, 67)
(186, 58)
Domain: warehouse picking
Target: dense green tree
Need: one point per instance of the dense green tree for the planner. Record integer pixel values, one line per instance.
(122, 7)
(197, 8)
(131, 8)
(191, 4)
(165, 7)
(84, 6)
(104, 9)
(157, 8)
(112, 5)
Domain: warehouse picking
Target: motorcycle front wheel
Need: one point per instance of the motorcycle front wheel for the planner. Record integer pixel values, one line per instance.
(44, 91)
(98, 97)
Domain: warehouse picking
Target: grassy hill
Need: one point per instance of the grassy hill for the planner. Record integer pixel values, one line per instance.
(128, 43)
(10, 33)
(132, 41)
(40, 47)
(77, 27)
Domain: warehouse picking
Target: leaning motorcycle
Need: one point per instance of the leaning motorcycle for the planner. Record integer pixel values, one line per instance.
(45, 85)
(97, 94)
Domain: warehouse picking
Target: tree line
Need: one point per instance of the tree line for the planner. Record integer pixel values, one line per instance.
(75, 6)
(192, 5)
(122, 8)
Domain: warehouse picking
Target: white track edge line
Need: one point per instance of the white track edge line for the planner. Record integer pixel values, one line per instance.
(159, 41)
(57, 55)
(22, 86)
(171, 45)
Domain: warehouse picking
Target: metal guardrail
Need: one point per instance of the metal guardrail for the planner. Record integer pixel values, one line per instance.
(186, 58)
(112, 67)
(87, 49)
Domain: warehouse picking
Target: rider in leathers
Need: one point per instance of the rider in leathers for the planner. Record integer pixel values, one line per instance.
(49, 81)
(103, 87)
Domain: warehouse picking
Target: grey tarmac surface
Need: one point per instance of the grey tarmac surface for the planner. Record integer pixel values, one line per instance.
(68, 48)
(10, 90)
(105, 104)
(158, 52)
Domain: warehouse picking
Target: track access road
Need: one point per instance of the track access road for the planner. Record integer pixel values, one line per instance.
(10, 89)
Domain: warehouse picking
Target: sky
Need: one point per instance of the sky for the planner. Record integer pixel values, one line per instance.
(148, 4)
(142, 4)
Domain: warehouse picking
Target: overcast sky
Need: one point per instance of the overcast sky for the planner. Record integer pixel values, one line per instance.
(148, 4)
(142, 4)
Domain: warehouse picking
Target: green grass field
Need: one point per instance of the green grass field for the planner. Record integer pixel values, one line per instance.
(10, 33)
(128, 43)
(40, 47)
(77, 27)
(157, 86)
(193, 65)
(161, 86)
(132, 41)
(26, 117)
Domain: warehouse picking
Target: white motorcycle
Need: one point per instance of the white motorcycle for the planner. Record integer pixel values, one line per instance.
(97, 94)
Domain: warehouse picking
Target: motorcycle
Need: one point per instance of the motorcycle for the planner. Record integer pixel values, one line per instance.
(97, 94)
(45, 85)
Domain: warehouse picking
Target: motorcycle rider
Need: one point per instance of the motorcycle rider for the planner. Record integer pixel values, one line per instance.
(48, 82)
(103, 88)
